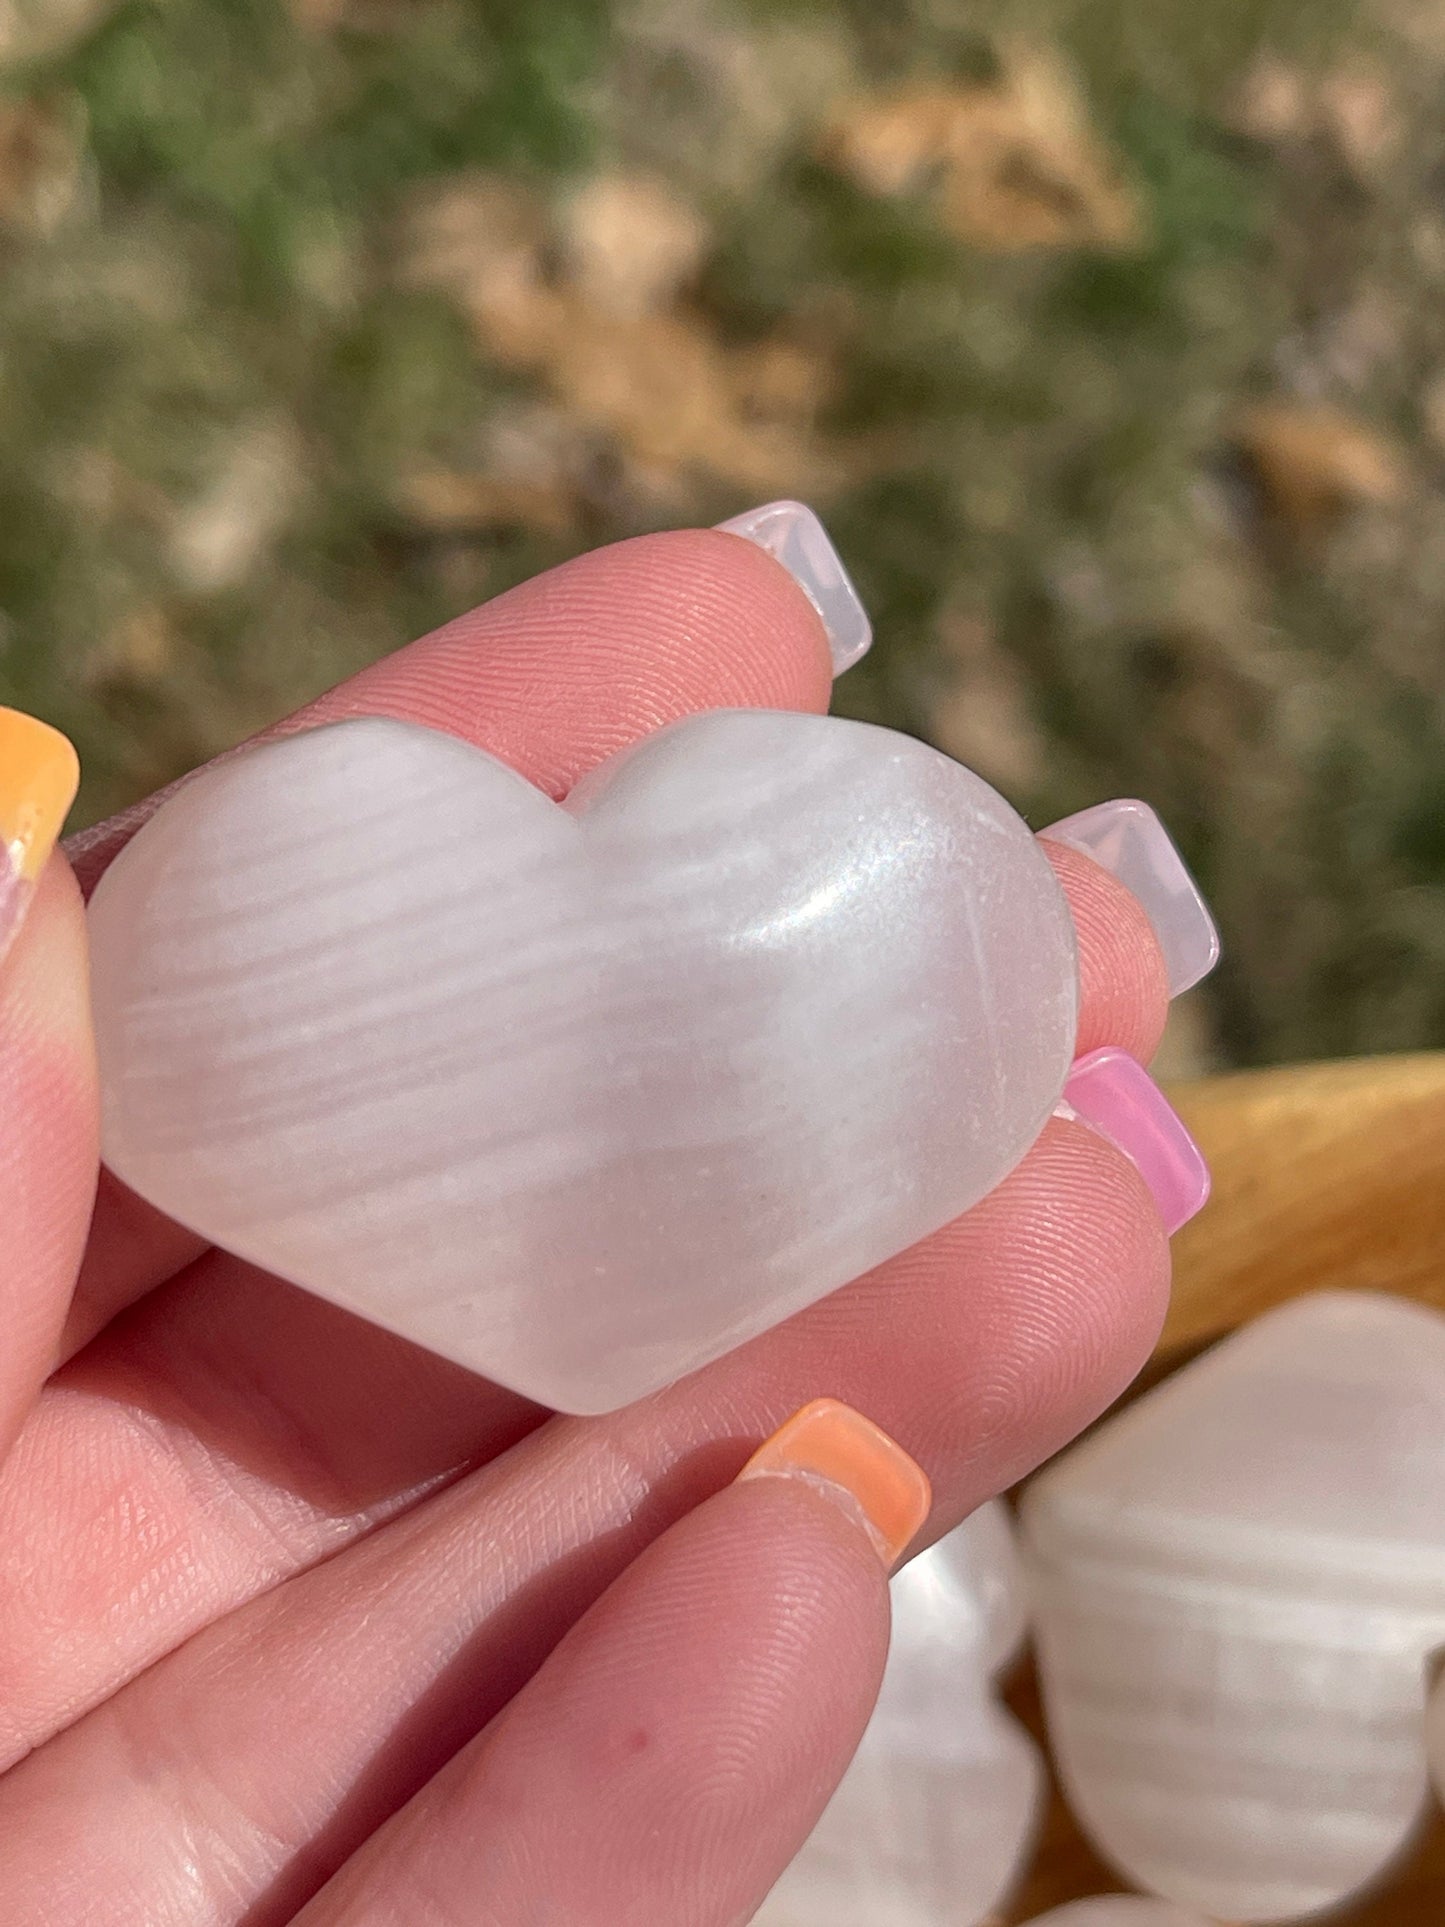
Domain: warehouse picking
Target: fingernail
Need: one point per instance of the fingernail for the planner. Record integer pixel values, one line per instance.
(794, 536)
(1127, 839)
(847, 1458)
(39, 773)
(1114, 1094)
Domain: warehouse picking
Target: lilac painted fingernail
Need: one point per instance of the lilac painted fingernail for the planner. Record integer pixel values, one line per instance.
(1113, 1093)
(794, 536)
(1127, 839)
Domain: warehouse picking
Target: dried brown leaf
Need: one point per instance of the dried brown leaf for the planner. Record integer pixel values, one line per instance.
(1013, 164)
(1275, 103)
(1312, 463)
(670, 393)
(630, 243)
(40, 29)
(1352, 107)
(42, 162)
(141, 647)
(220, 537)
(783, 380)
(895, 143)
(673, 397)
(1358, 107)
(318, 16)
(365, 16)
(982, 714)
(452, 502)
(478, 237)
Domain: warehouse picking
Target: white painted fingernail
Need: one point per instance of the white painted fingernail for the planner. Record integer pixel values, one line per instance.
(1126, 838)
(793, 535)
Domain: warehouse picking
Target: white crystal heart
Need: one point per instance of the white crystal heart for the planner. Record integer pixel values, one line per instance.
(1237, 1583)
(580, 1096)
(935, 1817)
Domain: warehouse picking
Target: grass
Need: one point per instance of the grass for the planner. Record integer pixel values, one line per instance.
(215, 384)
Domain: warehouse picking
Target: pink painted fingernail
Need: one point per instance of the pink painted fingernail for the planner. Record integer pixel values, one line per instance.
(1126, 838)
(793, 535)
(1113, 1093)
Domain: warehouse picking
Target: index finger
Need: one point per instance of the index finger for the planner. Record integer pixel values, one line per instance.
(47, 1072)
(552, 677)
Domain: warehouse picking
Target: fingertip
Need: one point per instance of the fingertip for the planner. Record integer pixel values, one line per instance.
(1123, 975)
(1035, 1310)
(46, 982)
(575, 665)
(792, 533)
(1122, 1252)
(674, 1750)
(783, 639)
(49, 1155)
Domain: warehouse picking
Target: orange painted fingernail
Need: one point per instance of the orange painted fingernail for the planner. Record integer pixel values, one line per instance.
(847, 1457)
(39, 773)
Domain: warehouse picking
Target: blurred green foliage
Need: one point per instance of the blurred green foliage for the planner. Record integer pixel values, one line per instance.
(1033, 458)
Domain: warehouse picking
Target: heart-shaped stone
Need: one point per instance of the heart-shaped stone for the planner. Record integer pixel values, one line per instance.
(579, 1095)
(1238, 1583)
(934, 1819)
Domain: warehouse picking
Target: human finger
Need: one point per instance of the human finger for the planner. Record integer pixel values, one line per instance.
(676, 1749)
(47, 1064)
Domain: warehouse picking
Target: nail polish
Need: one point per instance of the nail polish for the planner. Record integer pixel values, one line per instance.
(1126, 838)
(39, 773)
(840, 1452)
(794, 536)
(1114, 1094)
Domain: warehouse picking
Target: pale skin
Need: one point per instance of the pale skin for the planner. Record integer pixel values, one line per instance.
(299, 1623)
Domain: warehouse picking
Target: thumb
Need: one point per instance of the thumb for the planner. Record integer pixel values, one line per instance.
(48, 1155)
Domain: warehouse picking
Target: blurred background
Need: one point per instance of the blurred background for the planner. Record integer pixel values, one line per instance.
(1106, 335)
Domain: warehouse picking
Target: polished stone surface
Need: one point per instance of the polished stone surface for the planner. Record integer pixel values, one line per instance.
(934, 1820)
(580, 1096)
(1237, 1582)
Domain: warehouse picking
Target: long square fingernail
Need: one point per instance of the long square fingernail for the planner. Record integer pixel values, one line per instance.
(1113, 1093)
(1126, 838)
(39, 773)
(793, 535)
(842, 1453)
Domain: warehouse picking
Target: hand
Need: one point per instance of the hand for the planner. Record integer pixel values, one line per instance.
(299, 1622)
